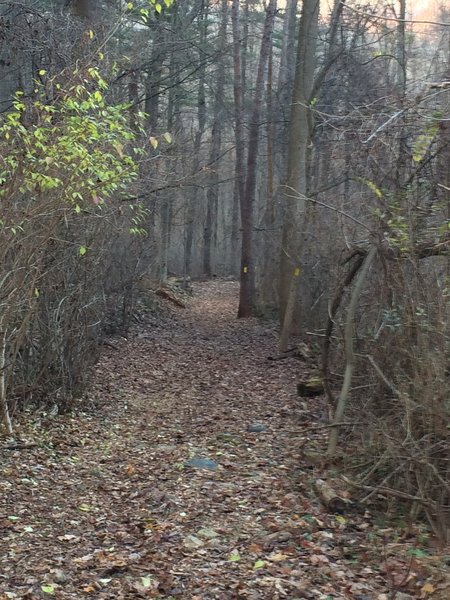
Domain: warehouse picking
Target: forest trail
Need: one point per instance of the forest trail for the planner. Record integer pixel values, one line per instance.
(105, 506)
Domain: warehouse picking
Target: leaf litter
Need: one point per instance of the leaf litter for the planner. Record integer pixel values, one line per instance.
(109, 503)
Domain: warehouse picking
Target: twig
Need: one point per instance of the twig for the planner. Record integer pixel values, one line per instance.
(19, 446)
(390, 385)
(328, 426)
(389, 492)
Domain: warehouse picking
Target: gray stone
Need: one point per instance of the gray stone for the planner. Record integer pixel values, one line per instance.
(256, 428)
(202, 463)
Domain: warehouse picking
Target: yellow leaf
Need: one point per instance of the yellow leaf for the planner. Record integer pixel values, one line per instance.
(89, 589)
(341, 520)
(278, 557)
(91, 34)
(428, 588)
(153, 142)
(167, 137)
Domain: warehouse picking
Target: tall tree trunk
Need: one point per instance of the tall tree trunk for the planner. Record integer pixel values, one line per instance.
(296, 187)
(239, 169)
(212, 194)
(285, 83)
(268, 290)
(247, 279)
(201, 118)
(154, 77)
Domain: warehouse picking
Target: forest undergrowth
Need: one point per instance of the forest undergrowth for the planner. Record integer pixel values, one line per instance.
(111, 503)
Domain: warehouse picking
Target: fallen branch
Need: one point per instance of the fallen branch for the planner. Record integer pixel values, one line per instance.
(168, 295)
(327, 426)
(19, 446)
(330, 498)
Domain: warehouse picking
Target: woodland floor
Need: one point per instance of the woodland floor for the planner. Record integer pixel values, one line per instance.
(103, 505)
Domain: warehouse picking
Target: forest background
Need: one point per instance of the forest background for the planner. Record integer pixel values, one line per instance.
(302, 149)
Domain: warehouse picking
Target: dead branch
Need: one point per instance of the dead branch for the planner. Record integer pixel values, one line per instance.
(168, 295)
(349, 354)
(330, 322)
(390, 492)
(330, 498)
(19, 446)
(3, 400)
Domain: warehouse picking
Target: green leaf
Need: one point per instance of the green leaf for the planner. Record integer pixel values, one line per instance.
(77, 209)
(146, 582)
(42, 72)
(83, 251)
(48, 589)
(167, 137)
(234, 556)
(158, 7)
(28, 529)
(85, 507)
(13, 518)
(259, 564)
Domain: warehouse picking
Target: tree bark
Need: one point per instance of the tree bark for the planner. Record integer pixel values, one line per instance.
(296, 186)
(239, 168)
(212, 194)
(247, 278)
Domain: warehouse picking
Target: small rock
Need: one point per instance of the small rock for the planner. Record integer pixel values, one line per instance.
(278, 536)
(256, 428)
(202, 463)
(225, 436)
(207, 532)
(191, 541)
(59, 577)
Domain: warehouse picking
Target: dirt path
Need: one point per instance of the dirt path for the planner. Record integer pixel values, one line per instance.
(105, 507)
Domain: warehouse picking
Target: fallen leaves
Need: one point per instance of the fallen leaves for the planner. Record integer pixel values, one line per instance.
(105, 507)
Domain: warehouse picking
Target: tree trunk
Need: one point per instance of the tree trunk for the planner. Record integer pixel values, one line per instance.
(268, 290)
(247, 279)
(3, 399)
(296, 187)
(193, 199)
(212, 194)
(239, 169)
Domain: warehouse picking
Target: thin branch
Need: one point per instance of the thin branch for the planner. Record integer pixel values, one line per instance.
(334, 209)
(395, 19)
